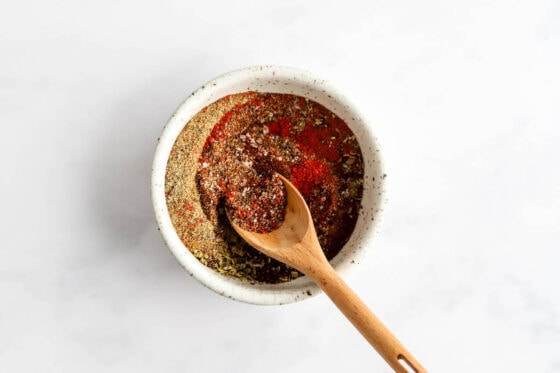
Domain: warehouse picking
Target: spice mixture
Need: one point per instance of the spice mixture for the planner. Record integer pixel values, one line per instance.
(226, 157)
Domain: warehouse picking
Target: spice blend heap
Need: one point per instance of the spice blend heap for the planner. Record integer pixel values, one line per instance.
(227, 156)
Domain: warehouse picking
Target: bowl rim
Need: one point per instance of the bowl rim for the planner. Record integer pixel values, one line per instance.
(263, 294)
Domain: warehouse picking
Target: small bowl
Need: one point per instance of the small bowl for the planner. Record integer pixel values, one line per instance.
(273, 79)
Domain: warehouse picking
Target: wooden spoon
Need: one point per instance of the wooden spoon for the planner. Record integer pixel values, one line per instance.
(295, 243)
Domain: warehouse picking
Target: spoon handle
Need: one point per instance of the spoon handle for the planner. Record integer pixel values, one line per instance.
(355, 310)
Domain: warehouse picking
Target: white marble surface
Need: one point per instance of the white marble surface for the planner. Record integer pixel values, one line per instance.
(464, 97)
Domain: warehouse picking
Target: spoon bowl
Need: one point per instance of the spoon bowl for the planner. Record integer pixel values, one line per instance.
(295, 243)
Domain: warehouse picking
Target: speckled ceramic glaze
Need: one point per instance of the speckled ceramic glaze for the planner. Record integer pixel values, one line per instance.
(274, 79)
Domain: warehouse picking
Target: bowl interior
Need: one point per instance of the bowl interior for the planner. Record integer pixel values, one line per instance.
(273, 79)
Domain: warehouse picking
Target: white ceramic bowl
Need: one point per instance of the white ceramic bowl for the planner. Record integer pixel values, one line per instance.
(274, 79)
